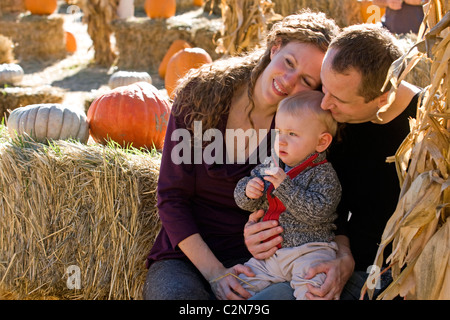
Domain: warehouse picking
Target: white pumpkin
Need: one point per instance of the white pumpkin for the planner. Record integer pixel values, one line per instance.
(49, 121)
(10, 73)
(125, 78)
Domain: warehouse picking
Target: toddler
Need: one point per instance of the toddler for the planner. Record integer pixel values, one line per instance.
(300, 189)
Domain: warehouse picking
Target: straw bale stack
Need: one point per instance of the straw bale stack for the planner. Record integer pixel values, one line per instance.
(185, 5)
(182, 5)
(142, 42)
(419, 229)
(15, 97)
(7, 6)
(72, 212)
(344, 12)
(139, 3)
(36, 37)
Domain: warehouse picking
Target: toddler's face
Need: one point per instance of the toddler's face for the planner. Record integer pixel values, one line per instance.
(297, 136)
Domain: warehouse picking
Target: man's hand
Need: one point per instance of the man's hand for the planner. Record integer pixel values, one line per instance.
(256, 232)
(338, 272)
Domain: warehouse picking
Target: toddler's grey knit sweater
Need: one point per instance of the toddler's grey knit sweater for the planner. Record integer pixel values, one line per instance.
(310, 198)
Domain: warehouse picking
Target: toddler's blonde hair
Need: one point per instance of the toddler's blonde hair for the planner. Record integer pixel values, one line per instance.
(309, 101)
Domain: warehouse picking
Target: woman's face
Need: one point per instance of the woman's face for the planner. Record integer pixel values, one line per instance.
(293, 68)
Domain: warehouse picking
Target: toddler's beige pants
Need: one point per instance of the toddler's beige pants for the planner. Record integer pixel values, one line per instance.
(290, 264)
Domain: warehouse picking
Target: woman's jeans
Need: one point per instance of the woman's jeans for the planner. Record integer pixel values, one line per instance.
(180, 280)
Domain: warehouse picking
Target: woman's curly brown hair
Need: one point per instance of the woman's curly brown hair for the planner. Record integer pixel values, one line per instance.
(206, 93)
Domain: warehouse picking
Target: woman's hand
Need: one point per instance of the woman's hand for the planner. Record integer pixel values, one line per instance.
(256, 232)
(227, 287)
(338, 272)
(224, 286)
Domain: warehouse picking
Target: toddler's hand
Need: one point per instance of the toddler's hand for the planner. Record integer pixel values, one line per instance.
(255, 188)
(275, 175)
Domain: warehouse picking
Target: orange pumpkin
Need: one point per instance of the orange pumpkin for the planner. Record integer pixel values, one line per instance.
(160, 8)
(198, 3)
(41, 7)
(136, 114)
(180, 64)
(176, 46)
(71, 42)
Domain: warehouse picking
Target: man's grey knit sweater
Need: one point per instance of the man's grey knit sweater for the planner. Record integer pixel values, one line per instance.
(310, 198)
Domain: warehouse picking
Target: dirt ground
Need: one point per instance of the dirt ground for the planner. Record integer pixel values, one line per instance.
(76, 74)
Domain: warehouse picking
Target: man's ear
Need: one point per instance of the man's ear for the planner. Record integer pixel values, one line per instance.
(383, 105)
(383, 100)
(324, 141)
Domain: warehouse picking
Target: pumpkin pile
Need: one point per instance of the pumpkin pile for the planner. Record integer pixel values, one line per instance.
(41, 7)
(131, 116)
(71, 42)
(135, 115)
(176, 46)
(181, 63)
(125, 78)
(10, 73)
(160, 9)
(48, 121)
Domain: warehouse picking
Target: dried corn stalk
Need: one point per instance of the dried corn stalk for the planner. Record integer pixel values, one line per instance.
(419, 229)
(212, 7)
(98, 15)
(244, 24)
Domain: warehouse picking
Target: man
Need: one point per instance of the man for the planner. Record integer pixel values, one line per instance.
(353, 73)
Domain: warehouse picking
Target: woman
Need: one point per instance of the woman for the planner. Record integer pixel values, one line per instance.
(201, 241)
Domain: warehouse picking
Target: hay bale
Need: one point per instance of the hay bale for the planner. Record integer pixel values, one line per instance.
(182, 5)
(15, 97)
(185, 5)
(344, 12)
(36, 37)
(68, 206)
(139, 3)
(143, 42)
(7, 6)
(6, 50)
